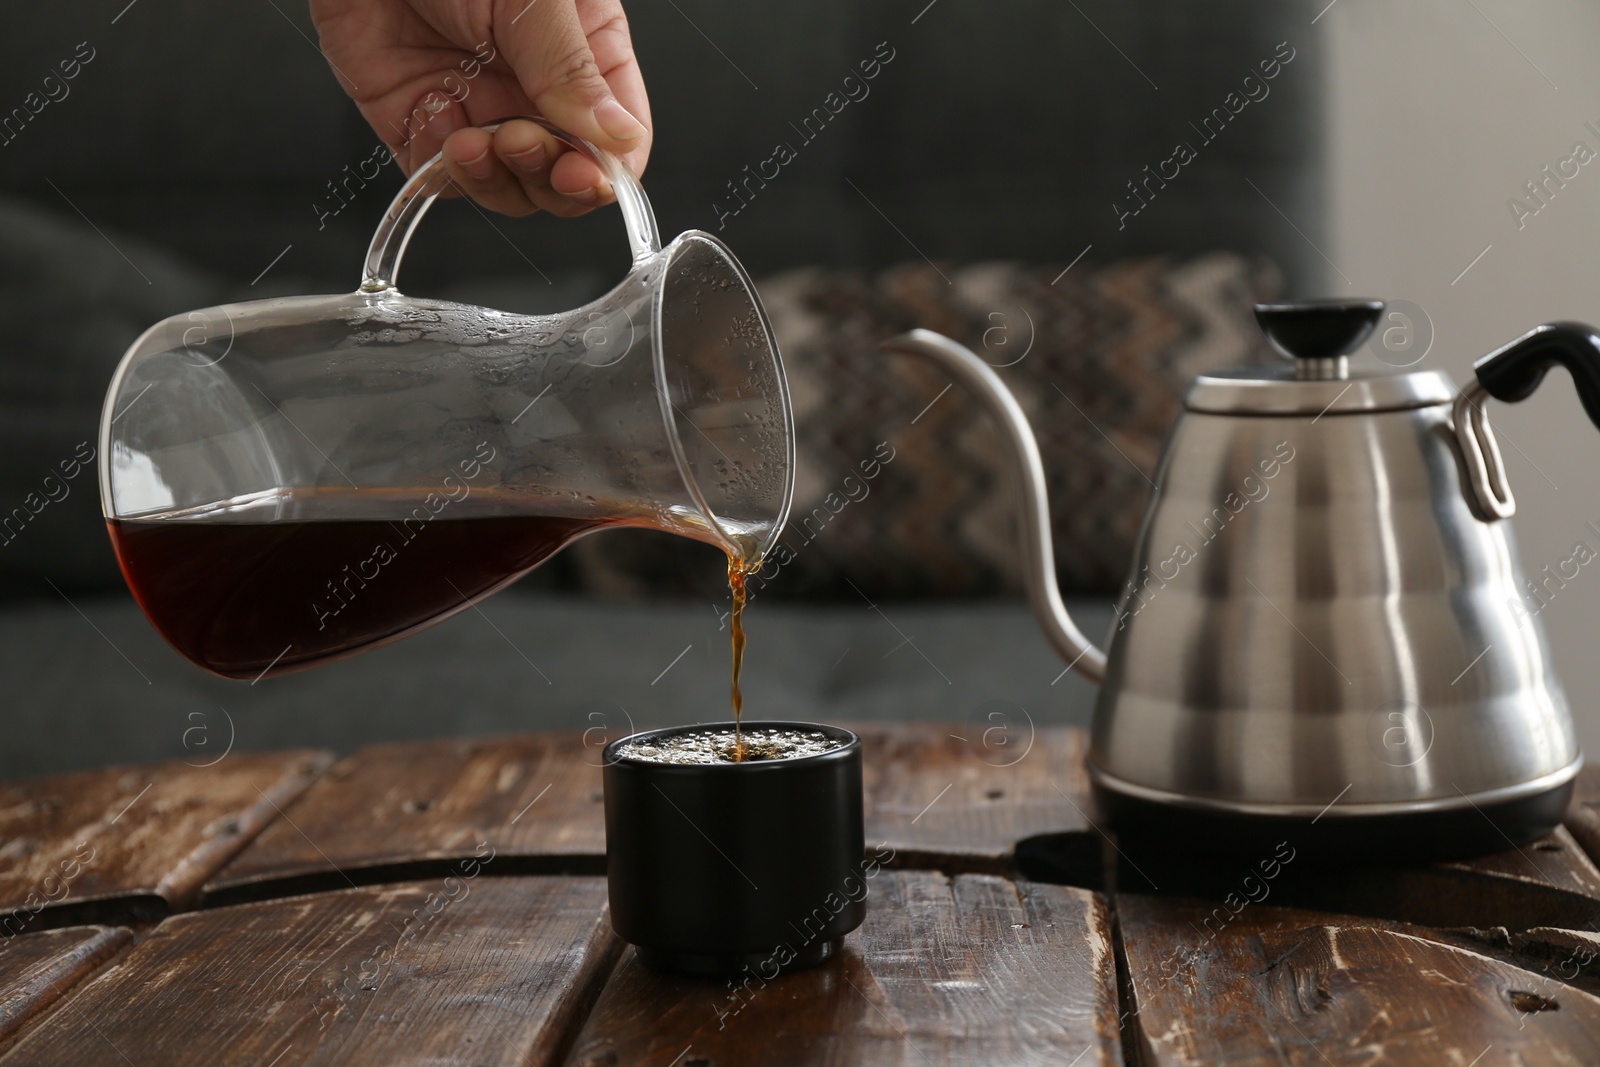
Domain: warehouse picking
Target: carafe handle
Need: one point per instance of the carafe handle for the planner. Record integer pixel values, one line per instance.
(1038, 553)
(423, 188)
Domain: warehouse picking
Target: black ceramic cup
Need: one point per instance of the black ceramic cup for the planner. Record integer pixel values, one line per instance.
(717, 869)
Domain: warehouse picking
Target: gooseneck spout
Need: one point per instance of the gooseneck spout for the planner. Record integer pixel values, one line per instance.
(1038, 555)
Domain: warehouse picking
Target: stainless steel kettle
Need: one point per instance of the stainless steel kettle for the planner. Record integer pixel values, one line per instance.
(1325, 634)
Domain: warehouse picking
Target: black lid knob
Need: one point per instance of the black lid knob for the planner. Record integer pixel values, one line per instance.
(1318, 329)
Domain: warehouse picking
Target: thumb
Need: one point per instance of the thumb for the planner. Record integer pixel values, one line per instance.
(548, 48)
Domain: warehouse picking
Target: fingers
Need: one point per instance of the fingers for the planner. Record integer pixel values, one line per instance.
(613, 53)
(440, 116)
(470, 159)
(522, 168)
(549, 48)
(428, 76)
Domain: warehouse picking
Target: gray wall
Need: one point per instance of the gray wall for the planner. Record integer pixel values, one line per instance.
(1438, 114)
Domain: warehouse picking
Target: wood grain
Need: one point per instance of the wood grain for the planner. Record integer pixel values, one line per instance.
(959, 797)
(956, 963)
(1282, 986)
(408, 808)
(1563, 955)
(949, 797)
(1555, 860)
(500, 974)
(37, 969)
(971, 969)
(147, 837)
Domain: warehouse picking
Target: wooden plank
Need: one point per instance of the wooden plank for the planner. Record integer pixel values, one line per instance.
(408, 808)
(501, 973)
(944, 796)
(1555, 860)
(1283, 986)
(1549, 882)
(1583, 815)
(1564, 955)
(971, 969)
(147, 836)
(36, 969)
(959, 797)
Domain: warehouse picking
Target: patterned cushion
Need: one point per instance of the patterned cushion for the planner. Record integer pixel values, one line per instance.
(901, 488)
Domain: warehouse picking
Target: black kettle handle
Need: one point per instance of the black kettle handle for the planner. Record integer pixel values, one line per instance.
(1512, 372)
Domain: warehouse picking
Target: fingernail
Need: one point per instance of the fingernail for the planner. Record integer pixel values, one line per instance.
(617, 121)
(583, 196)
(479, 168)
(529, 161)
(443, 119)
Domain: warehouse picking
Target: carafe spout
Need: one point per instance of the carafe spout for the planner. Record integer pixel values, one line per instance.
(1038, 554)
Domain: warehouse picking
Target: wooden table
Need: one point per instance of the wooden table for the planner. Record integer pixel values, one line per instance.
(444, 903)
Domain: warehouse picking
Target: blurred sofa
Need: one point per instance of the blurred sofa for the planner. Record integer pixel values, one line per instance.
(981, 188)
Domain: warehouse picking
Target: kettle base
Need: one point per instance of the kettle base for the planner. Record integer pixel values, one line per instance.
(1174, 832)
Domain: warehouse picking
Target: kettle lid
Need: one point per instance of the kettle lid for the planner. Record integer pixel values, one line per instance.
(1316, 338)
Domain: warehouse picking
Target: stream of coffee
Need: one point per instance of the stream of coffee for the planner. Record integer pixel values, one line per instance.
(738, 570)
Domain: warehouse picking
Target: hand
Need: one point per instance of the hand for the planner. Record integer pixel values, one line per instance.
(427, 73)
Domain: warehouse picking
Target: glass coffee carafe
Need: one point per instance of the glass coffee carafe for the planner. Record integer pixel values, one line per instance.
(294, 480)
